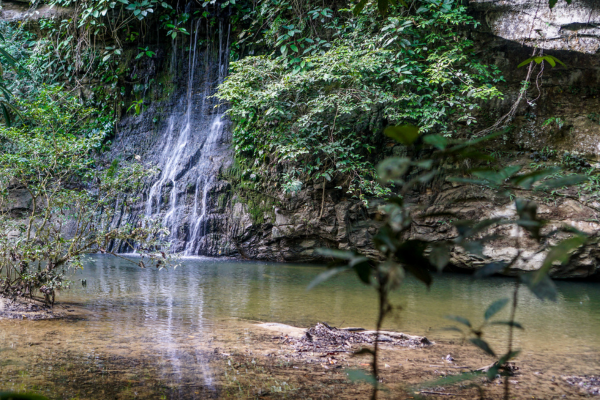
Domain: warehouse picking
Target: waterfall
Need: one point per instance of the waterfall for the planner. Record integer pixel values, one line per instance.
(192, 148)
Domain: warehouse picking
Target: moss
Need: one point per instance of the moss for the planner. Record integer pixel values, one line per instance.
(222, 200)
(258, 203)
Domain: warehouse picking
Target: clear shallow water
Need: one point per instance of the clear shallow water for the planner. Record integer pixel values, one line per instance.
(202, 291)
(166, 319)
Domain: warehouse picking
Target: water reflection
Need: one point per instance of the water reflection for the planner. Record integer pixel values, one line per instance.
(169, 303)
(166, 319)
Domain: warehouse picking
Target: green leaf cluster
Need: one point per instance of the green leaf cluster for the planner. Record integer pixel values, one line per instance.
(316, 104)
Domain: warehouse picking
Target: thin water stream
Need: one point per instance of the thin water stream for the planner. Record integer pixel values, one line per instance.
(166, 321)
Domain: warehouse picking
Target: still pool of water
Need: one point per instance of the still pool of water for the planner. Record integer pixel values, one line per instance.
(166, 319)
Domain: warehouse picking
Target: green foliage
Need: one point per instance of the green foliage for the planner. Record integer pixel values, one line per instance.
(65, 203)
(401, 255)
(317, 103)
(574, 162)
(539, 59)
(558, 121)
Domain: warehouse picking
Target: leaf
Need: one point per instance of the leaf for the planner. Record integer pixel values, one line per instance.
(495, 307)
(493, 371)
(483, 345)
(324, 276)
(526, 181)
(425, 164)
(358, 375)
(452, 329)
(437, 141)
(363, 351)
(459, 319)
(467, 180)
(473, 247)
(341, 254)
(393, 169)
(564, 181)
(497, 177)
(382, 5)
(294, 47)
(490, 269)
(6, 115)
(467, 228)
(525, 62)
(527, 212)
(465, 146)
(410, 254)
(404, 134)
(470, 153)
(385, 240)
(440, 255)
(508, 323)
(363, 270)
(559, 253)
(554, 58)
(544, 289)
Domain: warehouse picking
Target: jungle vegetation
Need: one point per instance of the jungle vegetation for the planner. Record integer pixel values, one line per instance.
(312, 90)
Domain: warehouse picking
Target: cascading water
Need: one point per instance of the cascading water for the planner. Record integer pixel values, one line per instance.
(191, 150)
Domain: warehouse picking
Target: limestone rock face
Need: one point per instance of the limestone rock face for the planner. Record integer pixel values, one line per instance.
(532, 23)
(508, 33)
(21, 10)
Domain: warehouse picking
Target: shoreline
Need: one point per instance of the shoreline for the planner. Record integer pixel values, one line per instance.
(35, 309)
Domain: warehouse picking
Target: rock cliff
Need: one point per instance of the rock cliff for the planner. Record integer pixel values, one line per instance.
(508, 34)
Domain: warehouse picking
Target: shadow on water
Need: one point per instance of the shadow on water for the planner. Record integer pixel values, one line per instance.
(148, 333)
